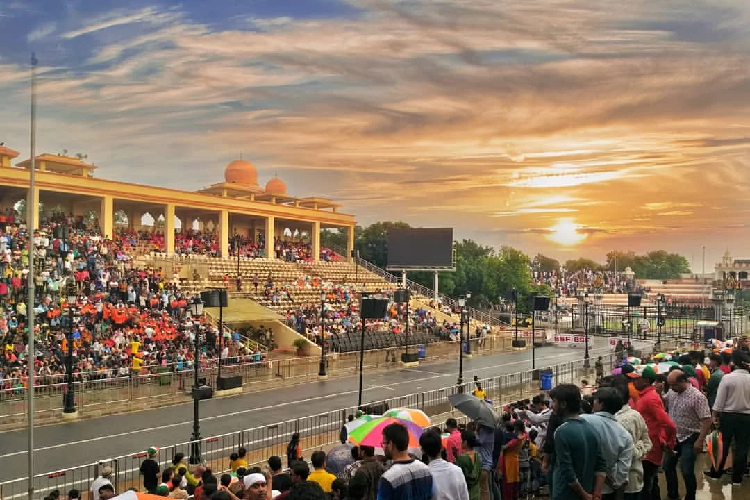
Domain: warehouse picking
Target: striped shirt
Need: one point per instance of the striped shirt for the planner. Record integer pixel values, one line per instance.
(406, 480)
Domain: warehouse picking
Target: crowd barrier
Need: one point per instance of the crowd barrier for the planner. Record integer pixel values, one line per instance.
(316, 431)
(167, 385)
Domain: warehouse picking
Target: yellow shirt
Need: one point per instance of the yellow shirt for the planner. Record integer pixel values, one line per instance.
(137, 364)
(323, 478)
(236, 464)
(479, 393)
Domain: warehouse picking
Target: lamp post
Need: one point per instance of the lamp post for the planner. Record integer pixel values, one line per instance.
(322, 368)
(514, 294)
(659, 319)
(468, 326)
(69, 401)
(586, 361)
(195, 447)
(461, 306)
(237, 251)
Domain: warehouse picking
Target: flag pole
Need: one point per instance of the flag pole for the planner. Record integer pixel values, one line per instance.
(32, 208)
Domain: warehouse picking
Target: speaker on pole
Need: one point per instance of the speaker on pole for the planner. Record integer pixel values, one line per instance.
(539, 303)
(373, 308)
(215, 298)
(401, 295)
(634, 300)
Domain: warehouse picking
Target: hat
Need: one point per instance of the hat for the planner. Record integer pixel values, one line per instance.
(153, 450)
(162, 490)
(689, 371)
(629, 371)
(649, 373)
(107, 471)
(254, 478)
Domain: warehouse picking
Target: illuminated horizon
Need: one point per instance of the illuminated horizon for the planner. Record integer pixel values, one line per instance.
(563, 127)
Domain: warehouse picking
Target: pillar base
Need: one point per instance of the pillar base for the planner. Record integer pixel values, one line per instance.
(409, 364)
(228, 392)
(468, 356)
(69, 417)
(322, 377)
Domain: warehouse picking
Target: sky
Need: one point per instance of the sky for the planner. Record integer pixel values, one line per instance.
(564, 127)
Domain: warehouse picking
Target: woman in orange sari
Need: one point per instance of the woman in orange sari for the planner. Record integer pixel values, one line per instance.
(511, 481)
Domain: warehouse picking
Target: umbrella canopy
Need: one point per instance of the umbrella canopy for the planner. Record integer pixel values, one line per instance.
(132, 495)
(350, 426)
(417, 416)
(633, 361)
(371, 433)
(474, 408)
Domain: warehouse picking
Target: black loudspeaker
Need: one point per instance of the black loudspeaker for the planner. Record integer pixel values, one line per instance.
(541, 303)
(412, 357)
(513, 296)
(634, 300)
(229, 382)
(202, 392)
(401, 295)
(215, 298)
(373, 308)
(518, 343)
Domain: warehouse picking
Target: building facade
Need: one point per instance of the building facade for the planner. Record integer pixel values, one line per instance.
(237, 206)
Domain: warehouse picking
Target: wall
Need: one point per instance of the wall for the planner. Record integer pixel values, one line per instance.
(284, 336)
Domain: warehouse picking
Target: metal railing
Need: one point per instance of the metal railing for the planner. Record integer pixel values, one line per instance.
(168, 385)
(316, 431)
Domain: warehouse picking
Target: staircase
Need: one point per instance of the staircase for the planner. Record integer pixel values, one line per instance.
(244, 340)
(475, 315)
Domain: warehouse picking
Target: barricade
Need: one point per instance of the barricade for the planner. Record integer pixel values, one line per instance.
(316, 431)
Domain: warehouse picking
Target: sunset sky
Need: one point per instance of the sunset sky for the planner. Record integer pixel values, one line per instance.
(568, 127)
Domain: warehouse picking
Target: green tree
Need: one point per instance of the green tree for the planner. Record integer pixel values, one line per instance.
(575, 265)
(373, 242)
(657, 264)
(336, 240)
(544, 264)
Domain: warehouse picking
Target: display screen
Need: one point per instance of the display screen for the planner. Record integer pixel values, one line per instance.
(420, 248)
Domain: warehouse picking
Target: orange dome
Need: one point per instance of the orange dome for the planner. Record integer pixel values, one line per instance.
(241, 172)
(276, 186)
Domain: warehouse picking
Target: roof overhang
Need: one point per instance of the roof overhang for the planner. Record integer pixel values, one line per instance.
(59, 164)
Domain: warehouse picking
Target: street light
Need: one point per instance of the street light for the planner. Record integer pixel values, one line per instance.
(586, 362)
(659, 319)
(462, 309)
(196, 307)
(468, 326)
(237, 251)
(69, 402)
(514, 295)
(322, 368)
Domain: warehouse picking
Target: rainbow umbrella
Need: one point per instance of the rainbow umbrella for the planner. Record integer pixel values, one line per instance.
(417, 416)
(371, 433)
(633, 361)
(660, 356)
(350, 426)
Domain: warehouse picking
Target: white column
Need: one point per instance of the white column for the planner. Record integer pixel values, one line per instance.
(224, 233)
(435, 288)
(350, 244)
(315, 239)
(403, 279)
(169, 228)
(107, 216)
(270, 230)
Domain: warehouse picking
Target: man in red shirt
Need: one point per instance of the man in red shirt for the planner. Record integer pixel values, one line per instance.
(453, 444)
(661, 430)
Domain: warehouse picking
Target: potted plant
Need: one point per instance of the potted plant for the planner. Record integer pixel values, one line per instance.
(300, 344)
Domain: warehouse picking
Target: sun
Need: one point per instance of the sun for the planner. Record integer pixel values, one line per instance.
(566, 232)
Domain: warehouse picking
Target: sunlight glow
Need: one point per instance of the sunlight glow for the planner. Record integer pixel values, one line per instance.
(566, 233)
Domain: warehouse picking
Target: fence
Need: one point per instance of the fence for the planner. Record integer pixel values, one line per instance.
(166, 386)
(316, 431)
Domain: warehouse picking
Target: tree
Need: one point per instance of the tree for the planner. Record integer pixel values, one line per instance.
(373, 242)
(657, 264)
(21, 209)
(576, 265)
(544, 264)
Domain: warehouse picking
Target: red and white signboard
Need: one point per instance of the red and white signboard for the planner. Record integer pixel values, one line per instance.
(569, 339)
(613, 341)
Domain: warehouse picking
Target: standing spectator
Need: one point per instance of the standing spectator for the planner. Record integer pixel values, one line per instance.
(300, 472)
(320, 475)
(280, 480)
(634, 423)
(615, 443)
(453, 444)
(661, 430)
(579, 469)
(150, 471)
(370, 468)
(470, 463)
(688, 409)
(486, 439)
(732, 407)
(100, 481)
(448, 481)
(407, 479)
(712, 386)
(293, 450)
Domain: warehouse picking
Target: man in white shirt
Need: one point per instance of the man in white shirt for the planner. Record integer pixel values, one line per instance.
(448, 482)
(100, 481)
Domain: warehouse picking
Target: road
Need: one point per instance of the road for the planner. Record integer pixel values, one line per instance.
(87, 441)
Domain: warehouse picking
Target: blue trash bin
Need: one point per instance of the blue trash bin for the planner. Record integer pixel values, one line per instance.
(465, 346)
(421, 351)
(546, 381)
